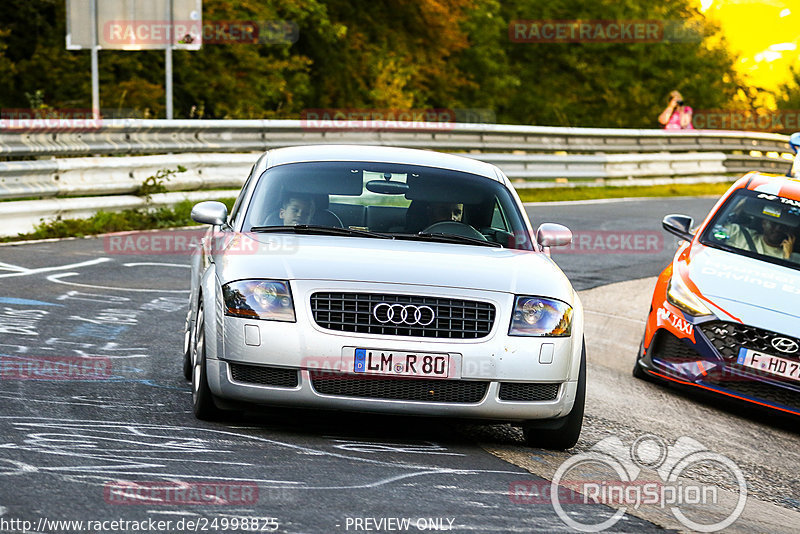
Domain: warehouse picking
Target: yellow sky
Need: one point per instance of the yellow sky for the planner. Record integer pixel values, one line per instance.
(765, 34)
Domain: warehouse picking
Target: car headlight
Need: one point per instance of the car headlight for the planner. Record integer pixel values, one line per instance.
(538, 316)
(682, 297)
(259, 299)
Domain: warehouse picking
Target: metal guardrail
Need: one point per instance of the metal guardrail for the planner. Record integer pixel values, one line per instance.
(136, 136)
(212, 153)
(72, 177)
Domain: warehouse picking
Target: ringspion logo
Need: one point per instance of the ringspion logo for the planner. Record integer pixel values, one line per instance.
(610, 473)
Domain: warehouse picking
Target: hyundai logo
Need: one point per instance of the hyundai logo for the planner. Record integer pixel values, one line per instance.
(785, 345)
(407, 314)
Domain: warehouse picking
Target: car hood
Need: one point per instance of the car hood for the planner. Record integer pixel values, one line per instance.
(756, 292)
(357, 259)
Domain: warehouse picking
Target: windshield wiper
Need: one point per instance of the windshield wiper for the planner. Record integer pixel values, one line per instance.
(448, 238)
(313, 229)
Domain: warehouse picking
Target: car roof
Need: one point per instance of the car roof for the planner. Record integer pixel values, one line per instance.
(784, 186)
(385, 154)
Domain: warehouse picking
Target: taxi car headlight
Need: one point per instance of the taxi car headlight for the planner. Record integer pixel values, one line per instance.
(538, 316)
(259, 299)
(682, 297)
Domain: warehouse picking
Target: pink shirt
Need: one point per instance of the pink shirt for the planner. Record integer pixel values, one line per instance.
(674, 122)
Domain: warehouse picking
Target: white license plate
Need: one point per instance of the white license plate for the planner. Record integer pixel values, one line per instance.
(769, 364)
(394, 363)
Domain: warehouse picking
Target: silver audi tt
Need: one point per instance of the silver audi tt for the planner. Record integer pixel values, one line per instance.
(386, 280)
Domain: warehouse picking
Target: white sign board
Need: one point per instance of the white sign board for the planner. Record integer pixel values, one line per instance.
(136, 24)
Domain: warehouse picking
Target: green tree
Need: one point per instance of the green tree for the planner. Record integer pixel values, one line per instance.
(384, 54)
(613, 84)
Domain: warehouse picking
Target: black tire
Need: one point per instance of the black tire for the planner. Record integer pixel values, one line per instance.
(638, 372)
(202, 398)
(562, 433)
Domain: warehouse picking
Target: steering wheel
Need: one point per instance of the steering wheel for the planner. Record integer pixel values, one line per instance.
(454, 228)
(327, 218)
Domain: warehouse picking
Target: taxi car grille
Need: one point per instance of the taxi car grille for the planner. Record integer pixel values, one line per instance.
(355, 312)
(410, 389)
(516, 391)
(763, 391)
(264, 376)
(727, 338)
(668, 347)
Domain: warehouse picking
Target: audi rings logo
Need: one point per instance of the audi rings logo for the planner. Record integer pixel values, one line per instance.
(407, 314)
(785, 345)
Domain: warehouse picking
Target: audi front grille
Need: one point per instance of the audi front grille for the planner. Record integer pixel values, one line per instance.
(403, 315)
(727, 338)
(264, 375)
(400, 388)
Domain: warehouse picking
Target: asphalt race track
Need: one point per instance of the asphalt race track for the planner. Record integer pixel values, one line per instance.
(121, 443)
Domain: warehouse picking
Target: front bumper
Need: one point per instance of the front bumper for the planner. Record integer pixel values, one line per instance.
(701, 365)
(306, 396)
(306, 349)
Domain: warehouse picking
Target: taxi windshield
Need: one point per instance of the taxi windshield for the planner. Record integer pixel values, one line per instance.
(758, 225)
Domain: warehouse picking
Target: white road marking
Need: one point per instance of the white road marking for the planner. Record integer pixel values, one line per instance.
(28, 272)
(154, 264)
(81, 432)
(57, 279)
(15, 268)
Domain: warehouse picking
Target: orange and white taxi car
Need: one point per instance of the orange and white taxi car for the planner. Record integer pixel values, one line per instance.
(725, 314)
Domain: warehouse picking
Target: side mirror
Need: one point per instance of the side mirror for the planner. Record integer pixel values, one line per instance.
(210, 212)
(553, 235)
(678, 225)
(794, 142)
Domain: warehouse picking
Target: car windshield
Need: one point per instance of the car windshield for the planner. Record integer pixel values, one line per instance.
(758, 225)
(397, 200)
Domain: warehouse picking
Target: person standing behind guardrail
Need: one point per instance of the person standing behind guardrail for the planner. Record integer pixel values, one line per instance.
(677, 115)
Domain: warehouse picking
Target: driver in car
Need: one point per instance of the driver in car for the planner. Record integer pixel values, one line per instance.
(775, 240)
(296, 209)
(445, 211)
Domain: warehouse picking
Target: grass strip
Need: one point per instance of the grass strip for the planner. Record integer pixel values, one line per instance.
(555, 194)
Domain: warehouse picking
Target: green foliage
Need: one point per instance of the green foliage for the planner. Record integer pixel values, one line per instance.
(587, 193)
(789, 93)
(614, 84)
(383, 54)
(155, 184)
